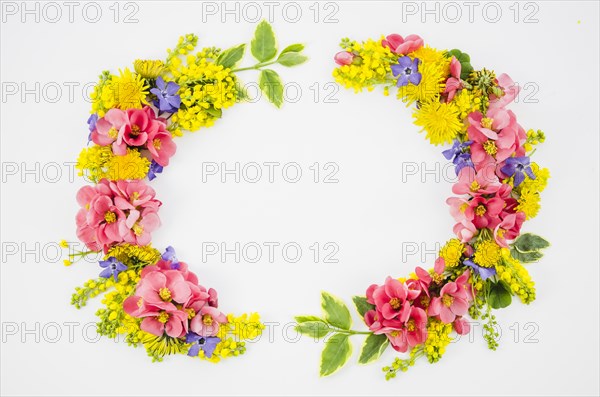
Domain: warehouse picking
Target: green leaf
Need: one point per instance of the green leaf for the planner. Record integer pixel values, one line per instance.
(289, 59)
(465, 62)
(529, 242)
(216, 113)
(230, 57)
(335, 311)
(335, 354)
(500, 296)
(373, 347)
(362, 306)
(303, 319)
(263, 45)
(526, 257)
(314, 329)
(293, 48)
(270, 83)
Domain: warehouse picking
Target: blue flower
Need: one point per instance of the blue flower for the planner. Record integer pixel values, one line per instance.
(112, 267)
(483, 272)
(459, 155)
(169, 255)
(91, 121)
(154, 169)
(408, 70)
(518, 166)
(206, 344)
(167, 99)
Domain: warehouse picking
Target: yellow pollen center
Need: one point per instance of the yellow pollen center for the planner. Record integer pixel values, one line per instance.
(135, 130)
(110, 217)
(490, 147)
(395, 303)
(191, 313)
(475, 186)
(425, 301)
(480, 210)
(140, 302)
(137, 229)
(165, 294)
(207, 320)
(163, 317)
(486, 122)
(135, 195)
(156, 143)
(410, 325)
(113, 133)
(394, 333)
(464, 207)
(501, 232)
(447, 300)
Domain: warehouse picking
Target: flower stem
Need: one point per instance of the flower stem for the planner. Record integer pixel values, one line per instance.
(255, 67)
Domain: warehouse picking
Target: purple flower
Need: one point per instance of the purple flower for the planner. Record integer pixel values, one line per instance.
(112, 267)
(484, 272)
(154, 169)
(459, 155)
(91, 121)
(169, 255)
(206, 344)
(408, 70)
(518, 166)
(166, 95)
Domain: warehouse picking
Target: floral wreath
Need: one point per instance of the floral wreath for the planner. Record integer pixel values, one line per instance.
(498, 188)
(151, 297)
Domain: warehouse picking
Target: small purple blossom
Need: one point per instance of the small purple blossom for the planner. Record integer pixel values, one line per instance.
(518, 166)
(169, 255)
(206, 344)
(408, 71)
(167, 99)
(112, 267)
(91, 121)
(154, 169)
(459, 155)
(483, 272)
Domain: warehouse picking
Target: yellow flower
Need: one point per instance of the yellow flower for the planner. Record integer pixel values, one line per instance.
(134, 256)
(519, 279)
(466, 103)
(206, 89)
(148, 69)
(487, 253)
(438, 337)
(440, 121)
(97, 162)
(373, 67)
(64, 244)
(434, 71)
(529, 202)
(126, 91)
(452, 252)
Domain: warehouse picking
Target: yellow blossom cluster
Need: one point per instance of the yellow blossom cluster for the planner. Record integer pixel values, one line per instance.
(514, 274)
(438, 337)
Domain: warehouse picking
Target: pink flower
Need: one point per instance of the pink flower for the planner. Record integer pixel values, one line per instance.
(163, 289)
(402, 46)
(161, 146)
(495, 137)
(113, 212)
(509, 228)
(471, 182)
(390, 299)
(207, 322)
(483, 212)
(464, 230)
(452, 302)
(344, 58)
(108, 128)
(462, 326)
(454, 83)
(416, 327)
(511, 90)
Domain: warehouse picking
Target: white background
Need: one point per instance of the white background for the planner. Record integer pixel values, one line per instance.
(373, 210)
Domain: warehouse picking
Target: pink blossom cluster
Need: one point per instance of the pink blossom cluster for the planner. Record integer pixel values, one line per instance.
(116, 212)
(139, 128)
(170, 300)
(402, 309)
